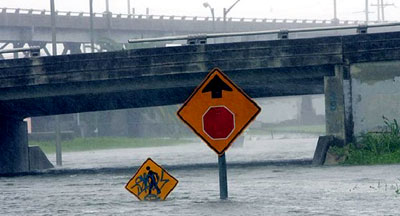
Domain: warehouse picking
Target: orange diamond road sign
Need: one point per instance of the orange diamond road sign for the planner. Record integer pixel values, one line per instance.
(151, 182)
(218, 111)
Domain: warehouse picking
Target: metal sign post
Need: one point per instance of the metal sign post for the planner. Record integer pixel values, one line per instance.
(223, 179)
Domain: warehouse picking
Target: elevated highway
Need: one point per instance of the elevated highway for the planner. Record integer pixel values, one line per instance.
(21, 27)
(34, 25)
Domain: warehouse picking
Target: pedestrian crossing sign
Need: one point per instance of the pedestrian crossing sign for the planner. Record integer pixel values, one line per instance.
(151, 182)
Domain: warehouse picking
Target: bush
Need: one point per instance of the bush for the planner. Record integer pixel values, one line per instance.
(373, 148)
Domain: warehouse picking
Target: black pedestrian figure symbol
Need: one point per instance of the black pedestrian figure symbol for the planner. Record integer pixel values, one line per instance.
(152, 178)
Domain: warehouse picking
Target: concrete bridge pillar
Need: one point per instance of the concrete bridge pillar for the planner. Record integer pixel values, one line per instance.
(334, 104)
(74, 48)
(18, 45)
(14, 155)
(337, 103)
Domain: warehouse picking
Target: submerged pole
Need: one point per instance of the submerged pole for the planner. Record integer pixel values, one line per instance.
(54, 50)
(223, 180)
(91, 26)
(58, 142)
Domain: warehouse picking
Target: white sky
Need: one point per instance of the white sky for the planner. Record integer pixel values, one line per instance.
(291, 9)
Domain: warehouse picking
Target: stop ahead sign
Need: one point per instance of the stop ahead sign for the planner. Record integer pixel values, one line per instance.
(218, 111)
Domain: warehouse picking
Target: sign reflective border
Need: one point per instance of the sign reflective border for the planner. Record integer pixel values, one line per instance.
(218, 111)
(151, 182)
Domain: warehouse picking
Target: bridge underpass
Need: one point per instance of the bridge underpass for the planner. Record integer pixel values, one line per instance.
(161, 76)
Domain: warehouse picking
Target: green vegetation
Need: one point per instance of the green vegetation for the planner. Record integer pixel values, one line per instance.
(300, 129)
(373, 148)
(88, 144)
(311, 129)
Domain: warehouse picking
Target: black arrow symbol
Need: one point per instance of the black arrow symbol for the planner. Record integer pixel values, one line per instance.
(216, 86)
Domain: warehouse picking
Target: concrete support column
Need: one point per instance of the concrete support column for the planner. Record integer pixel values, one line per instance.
(74, 48)
(18, 45)
(334, 105)
(13, 145)
(348, 109)
(306, 110)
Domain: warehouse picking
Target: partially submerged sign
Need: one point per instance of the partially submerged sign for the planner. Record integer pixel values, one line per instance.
(218, 111)
(151, 182)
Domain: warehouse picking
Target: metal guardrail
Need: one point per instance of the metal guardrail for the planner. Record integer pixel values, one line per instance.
(183, 18)
(34, 51)
(282, 34)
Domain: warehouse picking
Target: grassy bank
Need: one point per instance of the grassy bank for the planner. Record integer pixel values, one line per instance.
(373, 148)
(88, 144)
(310, 129)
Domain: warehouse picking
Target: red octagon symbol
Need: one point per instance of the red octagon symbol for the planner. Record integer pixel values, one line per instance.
(218, 122)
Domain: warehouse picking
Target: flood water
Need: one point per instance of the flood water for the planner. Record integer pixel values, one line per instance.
(257, 185)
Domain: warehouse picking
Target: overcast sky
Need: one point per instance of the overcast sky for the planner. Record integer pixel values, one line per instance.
(291, 9)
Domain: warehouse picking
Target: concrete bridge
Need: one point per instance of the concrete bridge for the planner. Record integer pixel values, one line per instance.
(19, 27)
(352, 71)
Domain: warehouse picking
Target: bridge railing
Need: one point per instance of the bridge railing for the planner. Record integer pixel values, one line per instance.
(183, 18)
(281, 33)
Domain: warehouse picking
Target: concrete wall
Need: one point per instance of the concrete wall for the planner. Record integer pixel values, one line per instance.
(375, 92)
